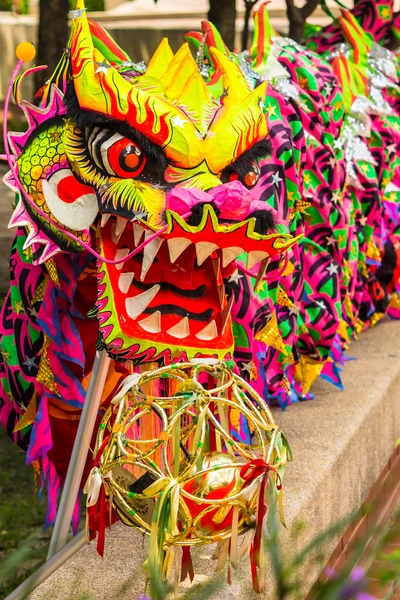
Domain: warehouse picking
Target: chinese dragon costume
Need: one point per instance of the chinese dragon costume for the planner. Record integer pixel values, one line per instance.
(222, 227)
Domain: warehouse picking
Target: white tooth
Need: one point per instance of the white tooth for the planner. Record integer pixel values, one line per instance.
(181, 329)
(124, 282)
(209, 332)
(176, 246)
(226, 312)
(121, 253)
(149, 254)
(121, 224)
(153, 323)
(117, 229)
(138, 231)
(261, 272)
(229, 254)
(136, 305)
(104, 219)
(203, 251)
(254, 257)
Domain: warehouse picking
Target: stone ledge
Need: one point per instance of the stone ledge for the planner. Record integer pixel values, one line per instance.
(341, 442)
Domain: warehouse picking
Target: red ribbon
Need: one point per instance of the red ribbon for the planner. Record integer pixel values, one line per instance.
(99, 513)
(249, 472)
(187, 564)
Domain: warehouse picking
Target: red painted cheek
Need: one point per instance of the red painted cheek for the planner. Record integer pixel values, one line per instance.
(69, 189)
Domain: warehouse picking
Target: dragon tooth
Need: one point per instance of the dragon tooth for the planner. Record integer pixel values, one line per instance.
(104, 219)
(180, 330)
(221, 294)
(149, 254)
(261, 272)
(176, 246)
(229, 254)
(138, 232)
(152, 324)
(136, 305)
(216, 265)
(117, 229)
(203, 251)
(226, 312)
(120, 226)
(120, 253)
(124, 282)
(254, 257)
(209, 332)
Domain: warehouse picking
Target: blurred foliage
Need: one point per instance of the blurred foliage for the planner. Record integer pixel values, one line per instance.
(91, 5)
(20, 5)
(21, 517)
(12, 125)
(288, 572)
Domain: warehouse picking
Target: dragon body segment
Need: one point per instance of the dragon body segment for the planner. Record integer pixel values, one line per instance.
(242, 210)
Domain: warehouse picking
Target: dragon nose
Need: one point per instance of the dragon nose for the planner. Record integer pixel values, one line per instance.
(232, 201)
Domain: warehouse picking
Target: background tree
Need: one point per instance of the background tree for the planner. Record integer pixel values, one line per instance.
(52, 38)
(248, 5)
(223, 14)
(298, 16)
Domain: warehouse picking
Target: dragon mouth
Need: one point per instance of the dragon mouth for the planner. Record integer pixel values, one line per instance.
(170, 297)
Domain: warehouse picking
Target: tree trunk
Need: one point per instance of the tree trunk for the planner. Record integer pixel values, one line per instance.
(248, 6)
(297, 17)
(296, 22)
(222, 14)
(52, 38)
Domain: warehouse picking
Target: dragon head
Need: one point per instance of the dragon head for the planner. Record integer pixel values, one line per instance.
(123, 157)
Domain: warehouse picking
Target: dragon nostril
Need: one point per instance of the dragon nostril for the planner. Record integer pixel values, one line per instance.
(265, 221)
(197, 213)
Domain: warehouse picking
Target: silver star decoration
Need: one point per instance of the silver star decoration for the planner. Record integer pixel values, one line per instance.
(328, 89)
(177, 121)
(30, 363)
(321, 304)
(141, 66)
(247, 367)
(332, 161)
(77, 12)
(336, 197)
(102, 67)
(33, 312)
(337, 144)
(363, 221)
(234, 278)
(138, 215)
(333, 269)
(293, 310)
(276, 179)
(330, 240)
(391, 148)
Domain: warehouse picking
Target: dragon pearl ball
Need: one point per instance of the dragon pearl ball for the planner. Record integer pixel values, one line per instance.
(25, 51)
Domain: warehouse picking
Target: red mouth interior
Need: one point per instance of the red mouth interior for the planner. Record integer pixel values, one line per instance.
(186, 309)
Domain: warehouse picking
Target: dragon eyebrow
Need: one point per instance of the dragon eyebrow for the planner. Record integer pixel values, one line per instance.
(85, 118)
(258, 151)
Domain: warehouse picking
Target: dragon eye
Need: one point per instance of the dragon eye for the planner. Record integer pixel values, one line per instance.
(115, 154)
(249, 178)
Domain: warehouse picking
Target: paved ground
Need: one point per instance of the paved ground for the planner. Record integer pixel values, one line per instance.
(341, 441)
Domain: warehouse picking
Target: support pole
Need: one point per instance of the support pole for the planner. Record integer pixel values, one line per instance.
(48, 568)
(79, 453)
